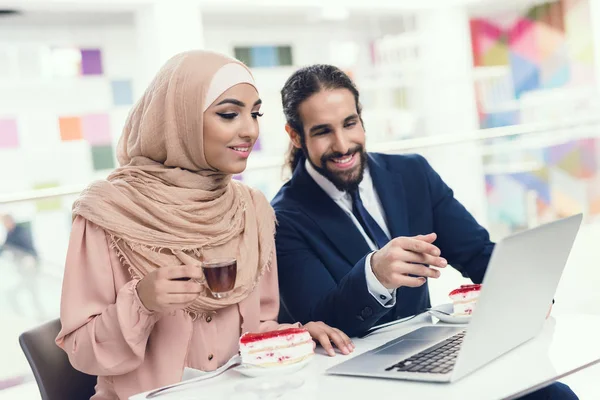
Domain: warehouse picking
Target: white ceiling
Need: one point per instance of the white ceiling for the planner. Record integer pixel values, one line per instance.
(245, 12)
(43, 18)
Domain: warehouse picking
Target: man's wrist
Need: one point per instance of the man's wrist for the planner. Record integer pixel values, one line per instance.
(376, 274)
(375, 286)
(372, 266)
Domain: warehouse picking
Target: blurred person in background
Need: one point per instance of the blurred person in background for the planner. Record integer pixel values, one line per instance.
(18, 238)
(134, 307)
(19, 246)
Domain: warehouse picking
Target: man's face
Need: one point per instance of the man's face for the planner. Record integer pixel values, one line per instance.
(8, 222)
(334, 137)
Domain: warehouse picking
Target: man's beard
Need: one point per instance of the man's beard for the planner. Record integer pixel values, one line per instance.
(345, 181)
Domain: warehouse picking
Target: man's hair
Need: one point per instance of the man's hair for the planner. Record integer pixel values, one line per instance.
(300, 86)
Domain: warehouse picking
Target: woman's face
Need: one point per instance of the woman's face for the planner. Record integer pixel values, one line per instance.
(231, 128)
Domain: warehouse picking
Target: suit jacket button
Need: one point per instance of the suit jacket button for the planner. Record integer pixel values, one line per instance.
(367, 312)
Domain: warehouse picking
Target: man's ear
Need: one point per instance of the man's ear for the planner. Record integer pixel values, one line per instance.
(294, 136)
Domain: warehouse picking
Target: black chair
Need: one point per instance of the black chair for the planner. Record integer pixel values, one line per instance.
(55, 377)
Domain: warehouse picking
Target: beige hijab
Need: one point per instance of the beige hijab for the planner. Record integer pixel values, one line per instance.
(165, 205)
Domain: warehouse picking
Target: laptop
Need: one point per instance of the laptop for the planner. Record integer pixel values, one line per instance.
(516, 293)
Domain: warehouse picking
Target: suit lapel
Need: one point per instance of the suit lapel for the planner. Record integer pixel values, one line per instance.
(332, 220)
(392, 194)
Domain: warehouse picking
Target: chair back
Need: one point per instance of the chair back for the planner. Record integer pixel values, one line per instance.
(55, 377)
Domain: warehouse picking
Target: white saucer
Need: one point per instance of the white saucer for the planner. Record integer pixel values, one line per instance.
(258, 372)
(449, 319)
(270, 387)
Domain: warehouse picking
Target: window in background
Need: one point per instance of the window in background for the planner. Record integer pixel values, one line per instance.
(66, 62)
(264, 56)
(548, 46)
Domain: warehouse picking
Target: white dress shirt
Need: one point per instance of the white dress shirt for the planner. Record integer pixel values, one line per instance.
(370, 199)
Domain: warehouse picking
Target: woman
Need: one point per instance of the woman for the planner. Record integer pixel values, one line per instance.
(140, 234)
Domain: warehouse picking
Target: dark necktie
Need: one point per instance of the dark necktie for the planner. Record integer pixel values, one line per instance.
(368, 223)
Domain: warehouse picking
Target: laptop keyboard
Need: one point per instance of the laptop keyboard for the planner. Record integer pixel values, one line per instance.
(437, 359)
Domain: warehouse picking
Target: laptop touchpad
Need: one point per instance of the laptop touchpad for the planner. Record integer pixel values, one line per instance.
(419, 339)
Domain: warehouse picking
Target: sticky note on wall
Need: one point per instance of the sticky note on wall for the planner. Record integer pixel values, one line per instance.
(9, 133)
(102, 158)
(122, 93)
(70, 128)
(91, 62)
(51, 204)
(96, 129)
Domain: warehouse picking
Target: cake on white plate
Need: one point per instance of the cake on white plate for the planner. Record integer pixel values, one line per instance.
(464, 299)
(276, 348)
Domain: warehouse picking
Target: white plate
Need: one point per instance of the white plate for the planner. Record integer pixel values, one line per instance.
(269, 388)
(258, 372)
(449, 319)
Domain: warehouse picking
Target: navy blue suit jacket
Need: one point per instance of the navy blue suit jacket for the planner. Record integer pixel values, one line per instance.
(321, 253)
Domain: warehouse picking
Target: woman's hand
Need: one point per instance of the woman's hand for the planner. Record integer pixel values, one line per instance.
(549, 310)
(169, 288)
(325, 335)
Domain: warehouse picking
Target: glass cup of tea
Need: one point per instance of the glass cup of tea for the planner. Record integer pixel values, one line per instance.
(220, 274)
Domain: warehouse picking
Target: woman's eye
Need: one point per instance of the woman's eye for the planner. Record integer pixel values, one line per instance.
(227, 115)
(257, 115)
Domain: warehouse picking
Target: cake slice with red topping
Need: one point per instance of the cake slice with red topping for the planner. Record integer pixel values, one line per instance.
(276, 348)
(464, 299)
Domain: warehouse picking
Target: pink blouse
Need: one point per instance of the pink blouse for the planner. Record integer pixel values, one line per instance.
(107, 331)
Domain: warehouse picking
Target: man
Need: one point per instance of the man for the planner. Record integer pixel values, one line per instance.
(18, 238)
(19, 244)
(342, 204)
(357, 232)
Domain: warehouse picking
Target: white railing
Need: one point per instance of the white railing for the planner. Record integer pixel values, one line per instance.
(567, 126)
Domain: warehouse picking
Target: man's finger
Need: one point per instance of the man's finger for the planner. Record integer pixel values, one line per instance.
(429, 238)
(345, 338)
(421, 258)
(419, 246)
(323, 339)
(415, 270)
(404, 280)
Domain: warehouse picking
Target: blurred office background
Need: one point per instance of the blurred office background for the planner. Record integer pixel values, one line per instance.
(501, 96)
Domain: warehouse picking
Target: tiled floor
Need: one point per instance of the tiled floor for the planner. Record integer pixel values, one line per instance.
(577, 293)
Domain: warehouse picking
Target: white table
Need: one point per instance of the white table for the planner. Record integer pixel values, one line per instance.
(566, 345)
